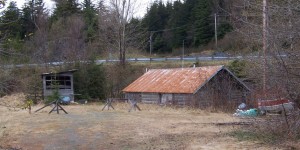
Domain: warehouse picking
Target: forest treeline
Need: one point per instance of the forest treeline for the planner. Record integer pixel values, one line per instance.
(74, 31)
(190, 22)
(79, 31)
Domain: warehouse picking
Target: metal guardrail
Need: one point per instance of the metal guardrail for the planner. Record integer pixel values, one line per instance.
(101, 61)
(169, 59)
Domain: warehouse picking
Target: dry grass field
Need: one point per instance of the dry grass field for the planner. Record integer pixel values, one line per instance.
(87, 127)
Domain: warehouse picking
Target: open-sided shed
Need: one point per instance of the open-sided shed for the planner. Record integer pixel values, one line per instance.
(197, 87)
(61, 81)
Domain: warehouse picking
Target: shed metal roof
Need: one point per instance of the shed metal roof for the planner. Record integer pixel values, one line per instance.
(179, 80)
(63, 72)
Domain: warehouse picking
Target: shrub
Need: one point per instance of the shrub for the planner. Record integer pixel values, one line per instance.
(238, 68)
(90, 82)
(7, 83)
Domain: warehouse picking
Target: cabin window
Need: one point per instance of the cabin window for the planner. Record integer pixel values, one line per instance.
(60, 82)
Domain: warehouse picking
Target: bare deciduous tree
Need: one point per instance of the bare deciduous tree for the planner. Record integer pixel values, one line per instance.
(282, 68)
(121, 13)
(67, 40)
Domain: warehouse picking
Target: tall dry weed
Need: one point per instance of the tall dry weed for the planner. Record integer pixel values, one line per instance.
(277, 127)
(171, 109)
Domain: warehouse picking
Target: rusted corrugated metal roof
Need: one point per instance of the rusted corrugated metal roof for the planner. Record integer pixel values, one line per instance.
(179, 80)
(53, 73)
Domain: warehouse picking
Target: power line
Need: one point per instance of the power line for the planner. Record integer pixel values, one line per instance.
(152, 33)
(168, 29)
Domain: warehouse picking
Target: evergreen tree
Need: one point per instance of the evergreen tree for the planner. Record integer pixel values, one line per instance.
(189, 20)
(10, 27)
(155, 20)
(65, 8)
(189, 7)
(27, 19)
(32, 13)
(189, 17)
(10, 21)
(151, 17)
(157, 17)
(90, 81)
(91, 20)
(203, 22)
(163, 15)
(178, 22)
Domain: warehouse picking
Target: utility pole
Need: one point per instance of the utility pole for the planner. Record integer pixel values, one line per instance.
(291, 25)
(265, 43)
(216, 33)
(151, 35)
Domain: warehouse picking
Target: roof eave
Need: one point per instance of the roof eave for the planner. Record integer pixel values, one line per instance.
(208, 79)
(158, 92)
(241, 82)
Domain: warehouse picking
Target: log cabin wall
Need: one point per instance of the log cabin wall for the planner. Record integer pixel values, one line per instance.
(221, 91)
(134, 96)
(150, 98)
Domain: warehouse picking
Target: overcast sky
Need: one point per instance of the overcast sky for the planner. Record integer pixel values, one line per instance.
(141, 10)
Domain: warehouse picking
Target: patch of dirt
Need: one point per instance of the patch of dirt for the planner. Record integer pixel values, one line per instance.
(87, 127)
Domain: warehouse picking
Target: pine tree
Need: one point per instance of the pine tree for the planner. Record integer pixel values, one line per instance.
(10, 21)
(10, 27)
(32, 13)
(163, 15)
(203, 22)
(91, 20)
(150, 19)
(178, 22)
(65, 8)
(155, 20)
(27, 19)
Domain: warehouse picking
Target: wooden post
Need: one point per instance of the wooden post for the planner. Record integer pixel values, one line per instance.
(108, 104)
(57, 109)
(29, 108)
(134, 105)
(216, 33)
(265, 43)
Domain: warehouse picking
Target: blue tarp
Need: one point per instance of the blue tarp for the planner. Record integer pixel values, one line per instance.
(246, 113)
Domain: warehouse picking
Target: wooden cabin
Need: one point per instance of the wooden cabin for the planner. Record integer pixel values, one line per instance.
(61, 81)
(196, 87)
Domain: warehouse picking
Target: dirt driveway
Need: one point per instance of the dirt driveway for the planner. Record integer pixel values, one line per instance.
(87, 127)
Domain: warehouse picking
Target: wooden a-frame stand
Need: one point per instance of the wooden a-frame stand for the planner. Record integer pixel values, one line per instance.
(134, 105)
(56, 107)
(108, 104)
